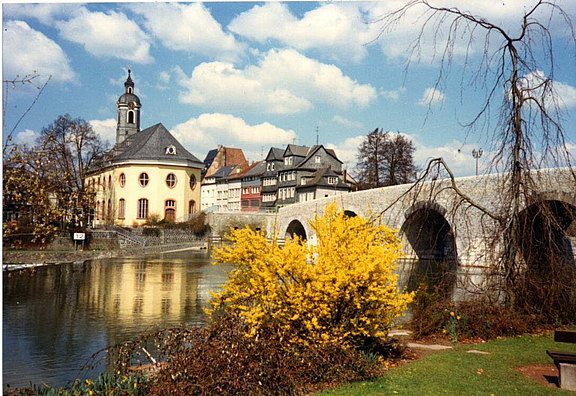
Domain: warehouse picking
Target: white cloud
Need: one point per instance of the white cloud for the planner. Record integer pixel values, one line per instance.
(109, 34)
(431, 96)
(347, 151)
(27, 50)
(346, 122)
(339, 31)
(27, 137)
(208, 130)
(105, 129)
(283, 82)
(563, 94)
(396, 41)
(190, 28)
(44, 12)
(393, 94)
(457, 156)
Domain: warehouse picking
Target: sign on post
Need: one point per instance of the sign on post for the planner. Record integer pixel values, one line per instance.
(79, 236)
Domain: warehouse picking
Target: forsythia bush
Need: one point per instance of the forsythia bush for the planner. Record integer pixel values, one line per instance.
(344, 290)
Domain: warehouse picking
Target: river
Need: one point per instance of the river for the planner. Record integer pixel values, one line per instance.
(56, 317)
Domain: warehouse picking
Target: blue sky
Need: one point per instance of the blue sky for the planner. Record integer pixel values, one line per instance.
(255, 75)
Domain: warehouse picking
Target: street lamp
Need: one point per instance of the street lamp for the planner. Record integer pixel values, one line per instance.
(477, 154)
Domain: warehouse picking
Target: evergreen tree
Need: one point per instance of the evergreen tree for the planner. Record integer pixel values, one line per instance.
(385, 159)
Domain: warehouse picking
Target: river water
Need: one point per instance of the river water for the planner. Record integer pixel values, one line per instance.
(56, 317)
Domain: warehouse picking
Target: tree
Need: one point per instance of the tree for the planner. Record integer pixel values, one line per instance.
(342, 290)
(517, 65)
(48, 179)
(385, 159)
(26, 80)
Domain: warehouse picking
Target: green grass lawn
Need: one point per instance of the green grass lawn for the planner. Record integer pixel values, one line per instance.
(455, 372)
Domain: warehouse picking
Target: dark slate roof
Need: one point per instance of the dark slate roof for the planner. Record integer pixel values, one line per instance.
(223, 172)
(151, 144)
(320, 178)
(275, 154)
(314, 150)
(129, 97)
(257, 169)
(210, 158)
(299, 151)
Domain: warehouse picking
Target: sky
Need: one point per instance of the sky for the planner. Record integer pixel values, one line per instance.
(256, 75)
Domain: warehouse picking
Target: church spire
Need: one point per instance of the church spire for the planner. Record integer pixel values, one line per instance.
(128, 111)
(129, 84)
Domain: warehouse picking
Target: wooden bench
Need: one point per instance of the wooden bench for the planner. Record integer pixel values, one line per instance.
(565, 362)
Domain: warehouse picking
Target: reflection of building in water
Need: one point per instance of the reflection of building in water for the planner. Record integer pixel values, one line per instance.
(154, 291)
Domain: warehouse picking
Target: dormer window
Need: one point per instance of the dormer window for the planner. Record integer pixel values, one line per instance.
(288, 160)
(317, 159)
(171, 150)
(332, 180)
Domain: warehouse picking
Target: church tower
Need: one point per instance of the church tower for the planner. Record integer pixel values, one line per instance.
(128, 112)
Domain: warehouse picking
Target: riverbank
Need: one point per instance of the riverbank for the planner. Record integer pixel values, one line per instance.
(12, 259)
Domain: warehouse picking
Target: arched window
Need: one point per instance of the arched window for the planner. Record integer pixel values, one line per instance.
(130, 117)
(110, 182)
(129, 89)
(171, 180)
(121, 208)
(98, 210)
(110, 217)
(122, 180)
(192, 182)
(191, 207)
(143, 179)
(142, 208)
(170, 210)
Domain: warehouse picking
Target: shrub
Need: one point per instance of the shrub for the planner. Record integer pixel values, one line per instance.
(153, 219)
(429, 312)
(221, 360)
(344, 290)
(198, 225)
(435, 313)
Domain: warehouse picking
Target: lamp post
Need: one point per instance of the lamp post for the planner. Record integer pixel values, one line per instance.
(477, 154)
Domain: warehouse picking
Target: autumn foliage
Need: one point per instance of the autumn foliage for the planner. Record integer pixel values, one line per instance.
(343, 290)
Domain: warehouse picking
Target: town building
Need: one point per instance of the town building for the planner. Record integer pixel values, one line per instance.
(274, 162)
(300, 174)
(213, 191)
(147, 173)
(252, 187)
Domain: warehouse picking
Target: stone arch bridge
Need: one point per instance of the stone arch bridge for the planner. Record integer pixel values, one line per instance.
(441, 233)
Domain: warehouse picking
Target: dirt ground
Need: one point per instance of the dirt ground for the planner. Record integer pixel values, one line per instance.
(545, 374)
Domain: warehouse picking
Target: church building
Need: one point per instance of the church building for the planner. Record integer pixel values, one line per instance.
(147, 172)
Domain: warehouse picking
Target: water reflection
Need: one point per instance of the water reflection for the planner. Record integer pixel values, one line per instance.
(54, 320)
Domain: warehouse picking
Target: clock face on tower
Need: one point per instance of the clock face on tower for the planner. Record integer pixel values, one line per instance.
(131, 105)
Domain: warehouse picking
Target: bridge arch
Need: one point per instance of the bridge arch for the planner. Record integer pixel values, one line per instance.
(295, 227)
(350, 213)
(547, 235)
(430, 241)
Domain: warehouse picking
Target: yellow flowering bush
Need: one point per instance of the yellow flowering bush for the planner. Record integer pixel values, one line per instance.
(343, 290)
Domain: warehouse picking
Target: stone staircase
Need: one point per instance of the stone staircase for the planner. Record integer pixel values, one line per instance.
(126, 238)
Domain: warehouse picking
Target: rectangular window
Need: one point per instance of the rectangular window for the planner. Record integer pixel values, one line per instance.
(244, 203)
(254, 203)
(142, 208)
(121, 208)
